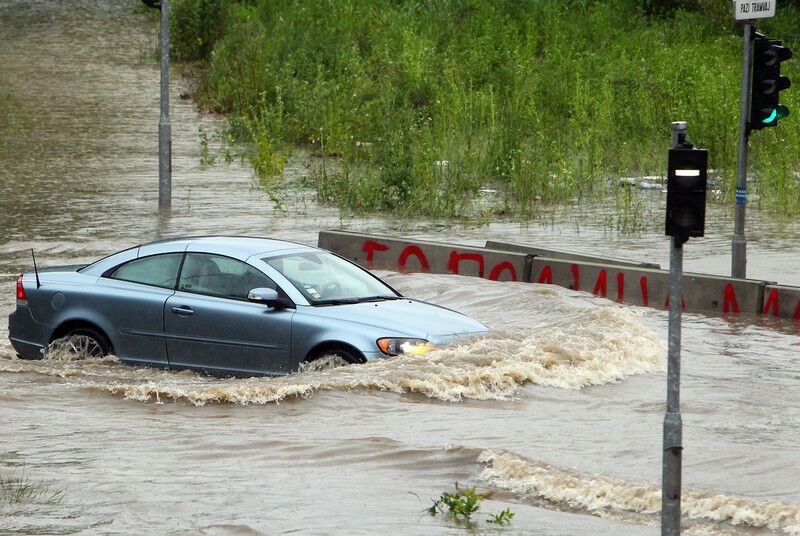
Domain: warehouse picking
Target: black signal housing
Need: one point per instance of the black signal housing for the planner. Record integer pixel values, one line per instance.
(687, 180)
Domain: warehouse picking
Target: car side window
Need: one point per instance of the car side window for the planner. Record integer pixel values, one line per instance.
(220, 276)
(156, 270)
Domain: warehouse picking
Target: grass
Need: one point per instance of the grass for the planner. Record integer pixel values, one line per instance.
(17, 487)
(413, 107)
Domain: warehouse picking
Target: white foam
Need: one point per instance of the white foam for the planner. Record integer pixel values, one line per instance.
(594, 346)
(638, 502)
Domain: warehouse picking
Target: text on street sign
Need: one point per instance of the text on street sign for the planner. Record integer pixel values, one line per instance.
(753, 9)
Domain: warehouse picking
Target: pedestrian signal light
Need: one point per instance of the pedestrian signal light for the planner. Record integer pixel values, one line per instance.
(687, 177)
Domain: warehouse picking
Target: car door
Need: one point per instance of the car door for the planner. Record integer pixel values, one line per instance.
(132, 297)
(210, 325)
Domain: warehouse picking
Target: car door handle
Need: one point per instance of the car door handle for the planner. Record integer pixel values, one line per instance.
(182, 310)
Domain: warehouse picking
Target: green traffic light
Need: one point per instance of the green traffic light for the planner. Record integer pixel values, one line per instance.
(772, 117)
(779, 112)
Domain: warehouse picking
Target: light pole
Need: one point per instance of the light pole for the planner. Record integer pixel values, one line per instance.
(164, 124)
(739, 245)
(687, 178)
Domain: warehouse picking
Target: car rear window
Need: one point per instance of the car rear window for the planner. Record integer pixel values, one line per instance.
(156, 270)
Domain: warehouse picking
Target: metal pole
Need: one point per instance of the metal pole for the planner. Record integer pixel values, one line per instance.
(164, 125)
(739, 247)
(673, 426)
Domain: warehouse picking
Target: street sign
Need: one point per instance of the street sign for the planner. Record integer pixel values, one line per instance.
(753, 9)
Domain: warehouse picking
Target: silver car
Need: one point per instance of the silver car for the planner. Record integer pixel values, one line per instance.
(225, 306)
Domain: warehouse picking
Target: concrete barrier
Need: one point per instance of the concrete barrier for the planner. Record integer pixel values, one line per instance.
(620, 281)
(623, 284)
(649, 287)
(781, 301)
(564, 255)
(406, 255)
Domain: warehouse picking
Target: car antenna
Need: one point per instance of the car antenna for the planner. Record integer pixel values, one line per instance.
(35, 270)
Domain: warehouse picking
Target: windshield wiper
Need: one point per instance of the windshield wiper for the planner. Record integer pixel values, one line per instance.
(377, 298)
(345, 301)
(338, 301)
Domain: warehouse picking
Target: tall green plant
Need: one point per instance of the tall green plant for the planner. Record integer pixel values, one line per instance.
(195, 26)
(422, 104)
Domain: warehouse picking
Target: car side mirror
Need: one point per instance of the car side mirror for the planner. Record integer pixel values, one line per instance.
(267, 296)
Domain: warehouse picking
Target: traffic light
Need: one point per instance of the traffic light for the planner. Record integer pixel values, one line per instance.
(765, 106)
(686, 191)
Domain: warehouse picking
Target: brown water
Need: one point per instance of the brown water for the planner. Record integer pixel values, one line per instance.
(558, 412)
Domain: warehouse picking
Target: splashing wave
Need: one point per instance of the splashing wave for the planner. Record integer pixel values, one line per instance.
(596, 346)
(624, 500)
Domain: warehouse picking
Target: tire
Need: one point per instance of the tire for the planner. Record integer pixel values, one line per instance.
(347, 355)
(317, 363)
(85, 343)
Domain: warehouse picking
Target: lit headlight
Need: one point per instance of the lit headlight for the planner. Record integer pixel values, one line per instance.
(404, 346)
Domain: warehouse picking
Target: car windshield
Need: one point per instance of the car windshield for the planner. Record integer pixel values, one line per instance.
(325, 279)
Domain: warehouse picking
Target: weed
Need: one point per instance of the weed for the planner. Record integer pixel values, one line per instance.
(17, 487)
(206, 158)
(224, 141)
(266, 162)
(195, 26)
(461, 505)
(502, 518)
(629, 215)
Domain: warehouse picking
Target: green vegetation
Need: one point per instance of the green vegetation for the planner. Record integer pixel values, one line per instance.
(416, 106)
(502, 518)
(461, 505)
(17, 487)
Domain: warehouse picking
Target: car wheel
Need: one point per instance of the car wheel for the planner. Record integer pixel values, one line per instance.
(80, 343)
(329, 359)
(344, 355)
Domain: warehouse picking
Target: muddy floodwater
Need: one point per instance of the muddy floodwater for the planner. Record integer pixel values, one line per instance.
(557, 414)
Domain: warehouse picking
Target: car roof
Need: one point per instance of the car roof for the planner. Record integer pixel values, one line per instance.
(239, 247)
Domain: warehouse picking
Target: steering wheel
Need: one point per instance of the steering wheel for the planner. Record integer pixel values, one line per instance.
(330, 288)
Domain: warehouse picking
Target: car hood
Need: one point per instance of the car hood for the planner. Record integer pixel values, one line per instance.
(409, 317)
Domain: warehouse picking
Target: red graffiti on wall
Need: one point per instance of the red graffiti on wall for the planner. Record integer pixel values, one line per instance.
(729, 303)
(370, 247)
(502, 267)
(683, 303)
(643, 284)
(417, 252)
(546, 276)
(772, 302)
(456, 258)
(600, 286)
